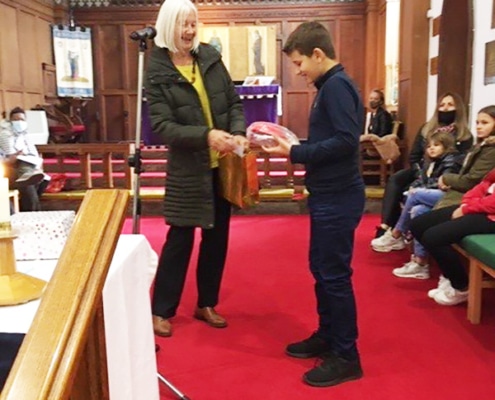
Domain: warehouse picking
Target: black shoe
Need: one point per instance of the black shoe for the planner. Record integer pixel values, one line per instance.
(333, 371)
(28, 179)
(307, 348)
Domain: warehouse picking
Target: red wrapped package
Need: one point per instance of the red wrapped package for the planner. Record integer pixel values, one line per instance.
(261, 133)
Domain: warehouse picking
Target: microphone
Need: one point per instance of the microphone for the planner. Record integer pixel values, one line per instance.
(142, 34)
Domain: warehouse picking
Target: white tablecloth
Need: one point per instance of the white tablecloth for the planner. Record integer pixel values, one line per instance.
(129, 336)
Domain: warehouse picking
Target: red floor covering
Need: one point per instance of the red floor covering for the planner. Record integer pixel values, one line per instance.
(411, 348)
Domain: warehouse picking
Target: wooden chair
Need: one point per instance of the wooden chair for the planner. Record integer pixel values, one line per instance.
(14, 195)
(376, 166)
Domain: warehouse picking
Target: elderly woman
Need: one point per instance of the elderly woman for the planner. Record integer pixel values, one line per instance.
(195, 109)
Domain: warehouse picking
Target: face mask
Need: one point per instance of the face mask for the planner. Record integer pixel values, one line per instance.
(19, 126)
(374, 104)
(446, 117)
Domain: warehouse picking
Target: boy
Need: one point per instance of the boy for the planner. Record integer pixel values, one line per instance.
(335, 202)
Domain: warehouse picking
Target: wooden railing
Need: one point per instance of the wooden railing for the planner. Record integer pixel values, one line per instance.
(279, 180)
(87, 155)
(63, 354)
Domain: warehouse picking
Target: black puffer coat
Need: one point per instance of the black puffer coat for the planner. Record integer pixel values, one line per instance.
(176, 115)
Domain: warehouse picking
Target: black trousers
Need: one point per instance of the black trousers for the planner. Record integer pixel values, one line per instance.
(175, 257)
(437, 231)
(397, 184)
(29, 198)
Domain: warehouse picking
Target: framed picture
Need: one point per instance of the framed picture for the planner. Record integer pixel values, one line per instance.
(219, 38)
(73, 61)
(490, 63)
(246, 50)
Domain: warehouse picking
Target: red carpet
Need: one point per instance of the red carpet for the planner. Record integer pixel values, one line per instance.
(411, 348)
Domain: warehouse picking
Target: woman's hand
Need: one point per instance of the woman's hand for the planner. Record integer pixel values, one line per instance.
(283, 147)
(457, 213)
(220, 141)
(241, 141)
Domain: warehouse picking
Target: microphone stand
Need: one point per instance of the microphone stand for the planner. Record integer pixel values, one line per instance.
(135, 158)
(135, 162)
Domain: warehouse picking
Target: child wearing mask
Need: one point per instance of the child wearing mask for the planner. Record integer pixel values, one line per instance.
(441, 157)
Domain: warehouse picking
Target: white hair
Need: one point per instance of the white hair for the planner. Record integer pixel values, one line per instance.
(173, 12)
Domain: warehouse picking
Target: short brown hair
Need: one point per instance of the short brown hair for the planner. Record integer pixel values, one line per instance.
(309, 36)
(446, 139)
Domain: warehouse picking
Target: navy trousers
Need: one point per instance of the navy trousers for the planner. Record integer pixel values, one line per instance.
(334, 218)
(10, 344)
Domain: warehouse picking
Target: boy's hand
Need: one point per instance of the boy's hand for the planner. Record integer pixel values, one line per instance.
(283, 147)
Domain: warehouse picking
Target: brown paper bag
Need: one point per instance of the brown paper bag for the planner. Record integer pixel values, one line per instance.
(239, 179)
(388, 148)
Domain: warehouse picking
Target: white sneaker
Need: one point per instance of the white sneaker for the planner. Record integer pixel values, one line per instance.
(443, 284)
(387, 243)
(412, 269)
(451, 297)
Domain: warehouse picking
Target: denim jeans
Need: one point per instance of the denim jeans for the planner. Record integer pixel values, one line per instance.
(334, 217)
(419, 201)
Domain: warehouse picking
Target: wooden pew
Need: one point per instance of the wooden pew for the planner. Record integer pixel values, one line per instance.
(479, 250)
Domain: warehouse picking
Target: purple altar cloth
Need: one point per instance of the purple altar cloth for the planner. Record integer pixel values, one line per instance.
(149, 137)
(260, 102)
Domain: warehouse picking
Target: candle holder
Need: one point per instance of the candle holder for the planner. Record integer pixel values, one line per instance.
(15, 287)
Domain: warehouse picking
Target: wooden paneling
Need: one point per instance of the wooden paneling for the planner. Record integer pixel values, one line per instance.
(116, 56)
(455, 49)
(380, 48)
(436, 26)
(49, 81)
(351, 44)
(11, 62)
(434, 66)
(30, 67)
(25, 43)
(114, 122)
(413, 66)
(374, 71)
(298, 105)
(109, 43)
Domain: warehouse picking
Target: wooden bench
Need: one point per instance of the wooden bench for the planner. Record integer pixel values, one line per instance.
(87, 166)
(479, 250)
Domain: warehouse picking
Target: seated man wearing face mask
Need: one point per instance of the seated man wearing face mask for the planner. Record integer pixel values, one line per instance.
(22, 160)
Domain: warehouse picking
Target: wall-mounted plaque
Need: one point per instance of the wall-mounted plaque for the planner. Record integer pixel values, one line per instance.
(490, 63)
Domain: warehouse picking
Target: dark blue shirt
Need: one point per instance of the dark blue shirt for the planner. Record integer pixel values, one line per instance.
(331, 153)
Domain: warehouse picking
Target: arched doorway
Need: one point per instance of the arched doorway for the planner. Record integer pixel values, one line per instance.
(455, 48)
